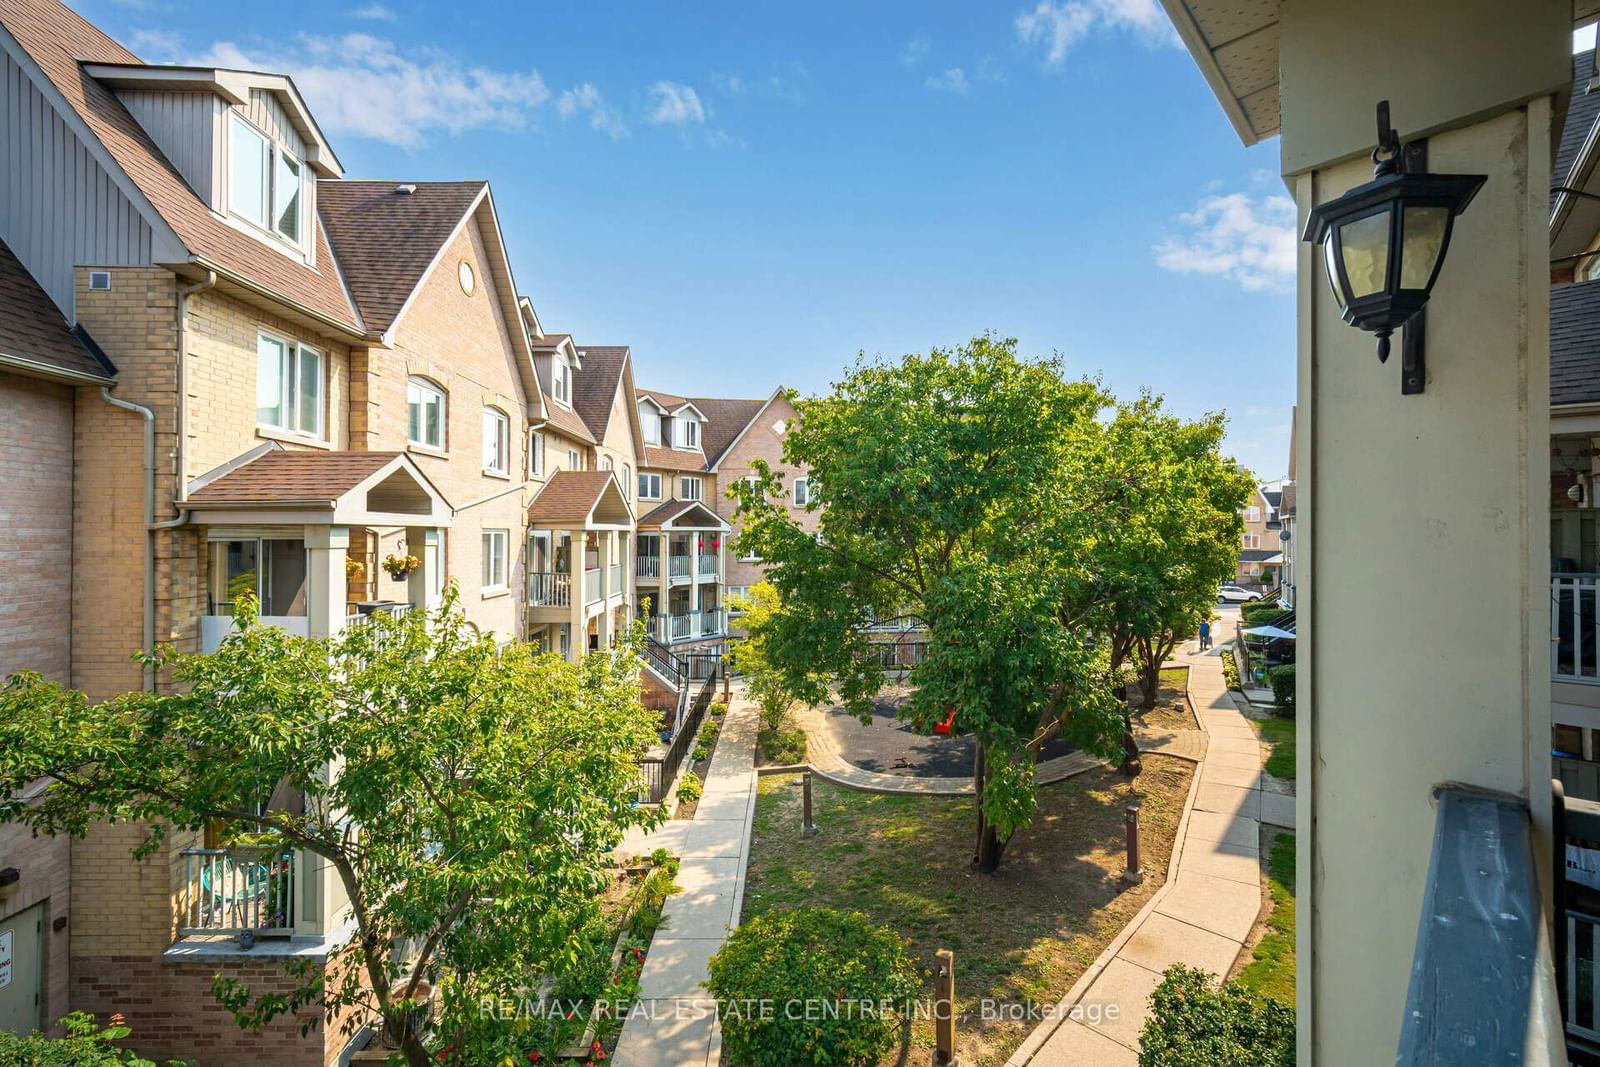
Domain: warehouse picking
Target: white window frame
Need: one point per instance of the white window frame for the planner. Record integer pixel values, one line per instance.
(496, 545)
(424, 388)
(688, 433)
(574, 461)
(650, 423)
(627, 480)
(802, 491)
(648, 479)
(689, 488)
(289, 380)
(1252, 514)
(535, 453)
(496, 442)
(561, 380)
(273, 154)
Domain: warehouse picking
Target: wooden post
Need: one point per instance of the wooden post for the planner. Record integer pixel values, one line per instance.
(944, 1008)
(1134, 874)
(807, 827)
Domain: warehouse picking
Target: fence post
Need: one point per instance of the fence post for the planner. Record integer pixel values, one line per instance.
(944, 1008)
(1134, 874)
(807, 827)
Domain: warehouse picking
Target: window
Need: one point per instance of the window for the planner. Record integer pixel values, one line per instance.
(689, 488)
(650, 423)
(1252, 514)
(496, 441)
(288, 385)
(605, 463)
(562, 376)
(649, 486)
(572, 460)
(1252, 540)
(1589, 269)
(535, 452)
(273, 571)
(688, 432)
(780, 427)
(802, 492)
(465, 276)
(627, 479)
(264, 182)
(494, 559)
(424, 414)
(737, 594)
(753, 481)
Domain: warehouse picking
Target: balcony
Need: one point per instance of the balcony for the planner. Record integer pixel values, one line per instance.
(592, 589)
(706, 565)
(679, 566)
(1574, 628)
(237, 891)
(691, 625)
(614, 584)
(647, 566)
(213, 628)
(549, 589)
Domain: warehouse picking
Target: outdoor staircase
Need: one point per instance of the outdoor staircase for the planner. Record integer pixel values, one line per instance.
(660, 661)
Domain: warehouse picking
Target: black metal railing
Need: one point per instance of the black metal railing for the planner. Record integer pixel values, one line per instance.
(657, 772)
(663, 661)
(1483, 981)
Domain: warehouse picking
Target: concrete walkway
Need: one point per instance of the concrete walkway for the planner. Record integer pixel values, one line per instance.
(673, 1025)
(1200, 917)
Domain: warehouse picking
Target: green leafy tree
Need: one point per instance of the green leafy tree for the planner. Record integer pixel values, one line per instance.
(464, 795)
(953, 488)
(85, 1044)
(1176, 538)
(1195, 1023)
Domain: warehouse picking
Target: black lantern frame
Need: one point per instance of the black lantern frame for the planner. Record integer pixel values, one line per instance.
(1395, 194)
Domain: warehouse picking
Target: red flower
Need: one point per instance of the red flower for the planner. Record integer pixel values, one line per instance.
(533, 1056)
(595, 1047)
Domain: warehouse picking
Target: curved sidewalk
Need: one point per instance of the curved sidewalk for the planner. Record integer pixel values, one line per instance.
(1200, 917)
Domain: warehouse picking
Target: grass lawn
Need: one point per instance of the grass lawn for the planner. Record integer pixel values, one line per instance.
(1279, 733)
(1025, 933)
(1270, 971)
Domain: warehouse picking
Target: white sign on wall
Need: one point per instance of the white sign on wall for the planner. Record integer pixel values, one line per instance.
(1583, 866)
(5, 958)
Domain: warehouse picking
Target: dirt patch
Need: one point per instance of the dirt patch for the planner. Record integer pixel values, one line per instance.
(1172, 710)
(1025, 934)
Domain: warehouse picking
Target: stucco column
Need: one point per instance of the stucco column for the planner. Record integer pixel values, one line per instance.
(608, 541)
(423, 542)
(577, 642)
(1422, 581)
(325, 579)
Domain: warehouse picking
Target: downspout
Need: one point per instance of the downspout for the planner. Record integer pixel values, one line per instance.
(184, 294)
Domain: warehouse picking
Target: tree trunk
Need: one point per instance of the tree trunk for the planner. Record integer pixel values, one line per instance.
(988, 847)
(1131, 765)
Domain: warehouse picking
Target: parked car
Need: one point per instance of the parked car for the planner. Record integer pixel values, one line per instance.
(1234, 594)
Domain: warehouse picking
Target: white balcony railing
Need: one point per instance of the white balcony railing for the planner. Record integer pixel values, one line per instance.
(549, 589)
(213, 628)
(614, 579)
(1574, 628)
(648, 566)
(591, 586)
(708, 565)
(690, 625)
(232, 891)
(679, 566)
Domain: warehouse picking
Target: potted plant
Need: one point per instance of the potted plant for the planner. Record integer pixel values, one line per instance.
(399, 567)
(355, 570)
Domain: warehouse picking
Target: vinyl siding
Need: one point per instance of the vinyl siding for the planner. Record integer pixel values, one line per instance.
(186, 127)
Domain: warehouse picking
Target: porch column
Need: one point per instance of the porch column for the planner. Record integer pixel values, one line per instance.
(608, 553)
(578, 641)
(325, 579)
(1422, 584)
(423, 542)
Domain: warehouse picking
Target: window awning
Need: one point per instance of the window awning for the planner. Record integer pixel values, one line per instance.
(274, 485)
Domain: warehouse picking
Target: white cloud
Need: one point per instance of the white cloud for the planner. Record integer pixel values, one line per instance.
(585, 99)
(155, 46)
(676, 104)
(374, 12)
(915, 50)
(363, 85)
(951, 81)
(730, 84)
(1248, 240)
(1053, 28)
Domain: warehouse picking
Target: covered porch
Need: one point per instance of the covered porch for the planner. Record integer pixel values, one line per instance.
(579, 531)
(681, 552)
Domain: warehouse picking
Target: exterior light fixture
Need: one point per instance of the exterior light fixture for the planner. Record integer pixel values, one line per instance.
(1384, 242)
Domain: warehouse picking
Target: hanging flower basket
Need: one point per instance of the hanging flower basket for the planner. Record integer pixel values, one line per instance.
(399, 567)
(355, 570)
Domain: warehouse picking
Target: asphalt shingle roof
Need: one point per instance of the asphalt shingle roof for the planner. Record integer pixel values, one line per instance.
(283, 475)
(386, 239)
(595, 386)
(1582, 110)
(1575, 344)
(569, 496)
(32, 328)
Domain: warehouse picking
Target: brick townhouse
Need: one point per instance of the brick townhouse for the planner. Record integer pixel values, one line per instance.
(225, 367)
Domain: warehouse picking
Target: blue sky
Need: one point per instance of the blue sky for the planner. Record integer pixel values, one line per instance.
(748, 194)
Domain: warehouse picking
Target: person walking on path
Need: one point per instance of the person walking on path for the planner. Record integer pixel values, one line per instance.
(1205, 635)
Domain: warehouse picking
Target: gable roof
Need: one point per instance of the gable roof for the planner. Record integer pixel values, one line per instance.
(666, 516)
(56, 39)
(280, 475)
(273, 484)
(572, 496)
(1575, 344)
(387, 240)
(34, 336)
(726, 422)
(595, 386)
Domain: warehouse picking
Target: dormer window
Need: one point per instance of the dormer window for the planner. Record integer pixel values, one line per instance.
(688, 432)
(265, 182)
(650, 423)
(562, 376)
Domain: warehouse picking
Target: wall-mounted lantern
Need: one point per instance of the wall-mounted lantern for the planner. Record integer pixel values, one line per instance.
(1384, 242)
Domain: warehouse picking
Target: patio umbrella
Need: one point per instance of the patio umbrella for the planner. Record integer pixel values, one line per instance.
(1271, 633)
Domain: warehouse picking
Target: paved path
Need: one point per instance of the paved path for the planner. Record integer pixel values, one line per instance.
(1201, 916)
(822, 752)
(673, 1024)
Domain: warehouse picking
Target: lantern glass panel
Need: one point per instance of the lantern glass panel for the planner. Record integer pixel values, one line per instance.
(1364, 243)
(1425, 228)
(1332, 266)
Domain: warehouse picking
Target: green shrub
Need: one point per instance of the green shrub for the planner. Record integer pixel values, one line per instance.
(1282, 681)
(781, 746)
(1263, 614)
(702, 751)
(1194, 1024)
(830, 962)
(86, 1045)
(657, 886)
(708, 731)
(1230, 669)
(689, 789)
(717, 709)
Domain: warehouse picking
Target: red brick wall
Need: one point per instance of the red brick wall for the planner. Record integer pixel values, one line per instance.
(173, 1014)
(760, 440)
(36, 514)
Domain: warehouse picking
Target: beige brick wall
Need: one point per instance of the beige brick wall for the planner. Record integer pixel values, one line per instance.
(760, 440)
(36, 514)
(44, 863)
(463, 345)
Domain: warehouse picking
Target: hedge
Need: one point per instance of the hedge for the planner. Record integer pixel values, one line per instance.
(1194, 1023)
(86, 1045)
(1281, 679)
(834, 986)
